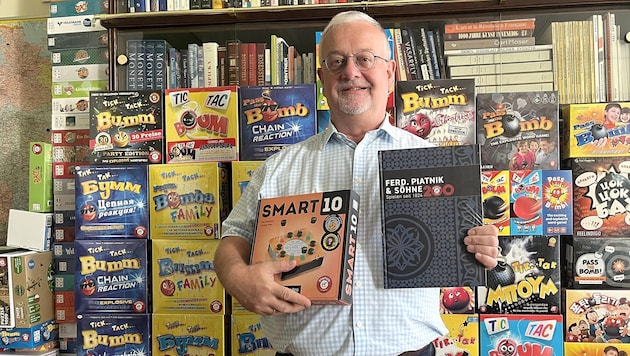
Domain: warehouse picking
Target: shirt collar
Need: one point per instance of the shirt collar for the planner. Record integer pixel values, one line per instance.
(385, 128)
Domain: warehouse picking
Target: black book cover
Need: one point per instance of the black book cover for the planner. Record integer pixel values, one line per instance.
(430, 197)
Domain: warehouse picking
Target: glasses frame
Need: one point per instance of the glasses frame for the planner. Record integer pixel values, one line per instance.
(354, 59)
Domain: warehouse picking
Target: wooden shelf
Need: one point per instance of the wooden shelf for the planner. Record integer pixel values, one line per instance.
(416, 9)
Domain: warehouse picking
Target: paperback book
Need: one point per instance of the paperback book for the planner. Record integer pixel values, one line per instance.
(430, 197)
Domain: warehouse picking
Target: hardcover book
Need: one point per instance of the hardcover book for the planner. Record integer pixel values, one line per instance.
(511, 127)
(440, 111)
(430, 198)
(316, 230)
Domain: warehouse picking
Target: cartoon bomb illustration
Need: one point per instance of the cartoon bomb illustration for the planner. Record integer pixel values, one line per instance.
(506, 347)
(173, 200)
(121, 139)
(87, 286)
(456, 299)
(419, 125)
(269, 108)
(88, 211)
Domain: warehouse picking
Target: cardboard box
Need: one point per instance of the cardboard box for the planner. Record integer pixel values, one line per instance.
(40, 189)
(28, 299)
(78, 40)
(593, 348)
(600, 263)
(201, 124)
(70, 121)
(600, 316)
(596, 130)
(462, 337)
(538, 334)
(170, 335)
(30, 230)
(80, 72)
(248, 336)
(184, 280)
(242, 172)
(74, 8)
(131, 332)
(317, 230)
(188, 201)
(73, 24)
(495, 190)
(29, 337)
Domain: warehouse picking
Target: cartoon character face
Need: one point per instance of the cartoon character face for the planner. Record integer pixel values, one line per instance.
(420, 125)
(269, 110)
(87, 286)
(121, 139)
(455, 299)
(173, 200)
(88, 212)
(506, 347)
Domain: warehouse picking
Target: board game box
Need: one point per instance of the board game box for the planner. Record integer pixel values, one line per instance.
(111, 276)
(127, 127)
(526, 279)
(273, 117)
(188, 201)
(316, 230)
(495, 189)
(242, 172)
(532, 334)
(188, 335)
(248, 337)
(184, 280)
(596, 130)
(113, 335)
(462, 338)
(601, 190)
(599, 263)
(40, 184)
(511, 126)
(441, 111)
(430, 197)
(596, 316)
(111, 202)
(202, 124)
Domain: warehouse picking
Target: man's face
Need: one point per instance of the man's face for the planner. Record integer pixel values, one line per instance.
(546, 146)
(351, 91)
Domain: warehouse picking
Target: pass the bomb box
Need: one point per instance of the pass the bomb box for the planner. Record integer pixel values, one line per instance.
(242, 172)
(188, 201)
(201, 124)
(111, 202)
(318, 230)
(596, 130)
(531, 334)
(188, 334)
(600, 316)
(184, 280)
(526, 279)
(598, 263)
(601, 189)
(273, 117)
(40, 184)
(127, 127)
(248, 337)
(430, 197)
(441, 111)
(114, 335)
(111, 276)
(462, 337)
(507, 120)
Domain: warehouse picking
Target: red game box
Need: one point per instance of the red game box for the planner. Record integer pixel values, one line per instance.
(318, 230)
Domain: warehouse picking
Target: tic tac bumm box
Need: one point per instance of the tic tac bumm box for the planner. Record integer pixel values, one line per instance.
(318, 230)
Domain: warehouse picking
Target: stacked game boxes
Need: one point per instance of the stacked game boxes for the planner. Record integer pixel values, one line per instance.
(528, 198)
(596, 149)
(80, 64)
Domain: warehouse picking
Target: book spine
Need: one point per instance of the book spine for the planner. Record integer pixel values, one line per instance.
(200, 65)
(222, 58)
(273, 68)
(149, 55)
(498, 58)
(161, 65)
(426, 53)
(503, 25)
(599, 58)
(434, 56)
(439, 48)
(251, 64)
(217, 4)
(512, 49)
(141, 70)
(132, 64)
(140, 6)
(399, 56)
(260, 63)
(195, 4)
(488, 34)
(284, 52)
(193, 74)
(511, 78)
(501, 68)
(172, 68)
(410, 54)
(185, 69)
(244, 61)
(210, 68)
(291, 64)
(162, 5)
(206, 4)
(233, 69)
(490, 42)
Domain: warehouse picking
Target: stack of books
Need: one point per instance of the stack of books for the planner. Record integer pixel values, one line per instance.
(499, 55)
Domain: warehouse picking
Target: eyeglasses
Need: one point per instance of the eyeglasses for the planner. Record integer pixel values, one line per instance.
(363, 60)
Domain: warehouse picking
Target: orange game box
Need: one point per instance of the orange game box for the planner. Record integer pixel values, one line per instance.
(318, 230)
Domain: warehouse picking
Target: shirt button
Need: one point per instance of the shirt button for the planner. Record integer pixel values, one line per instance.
(359, 324)
(357, 283)
(358, 246)
(359, 180)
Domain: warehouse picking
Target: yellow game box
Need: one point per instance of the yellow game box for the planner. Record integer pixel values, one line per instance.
(241, 174)
(188, 334)
(184, 280)
(462, 337)
(188, 201)
(317, 230)
(248, 337)
(596, 130)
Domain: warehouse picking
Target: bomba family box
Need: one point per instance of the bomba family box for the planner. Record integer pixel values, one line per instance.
(318, 230)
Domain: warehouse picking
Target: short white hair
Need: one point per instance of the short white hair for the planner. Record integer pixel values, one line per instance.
(356, 16)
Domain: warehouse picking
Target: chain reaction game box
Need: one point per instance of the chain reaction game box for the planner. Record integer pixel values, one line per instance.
(111, 276)
(111, 202)
(248, 337)
(462, 338)
(188, 201)
(184, 280)
(441, 111)
(430, 197)
(601, 190)
(202, 124)
(598, 263)
(509, 335)
(526, 279)
(512, 126)
(596, 130)
(127, 127)
(318, 231)
(273, 117)
(188, 335)
(596, 316)
(114, 335)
